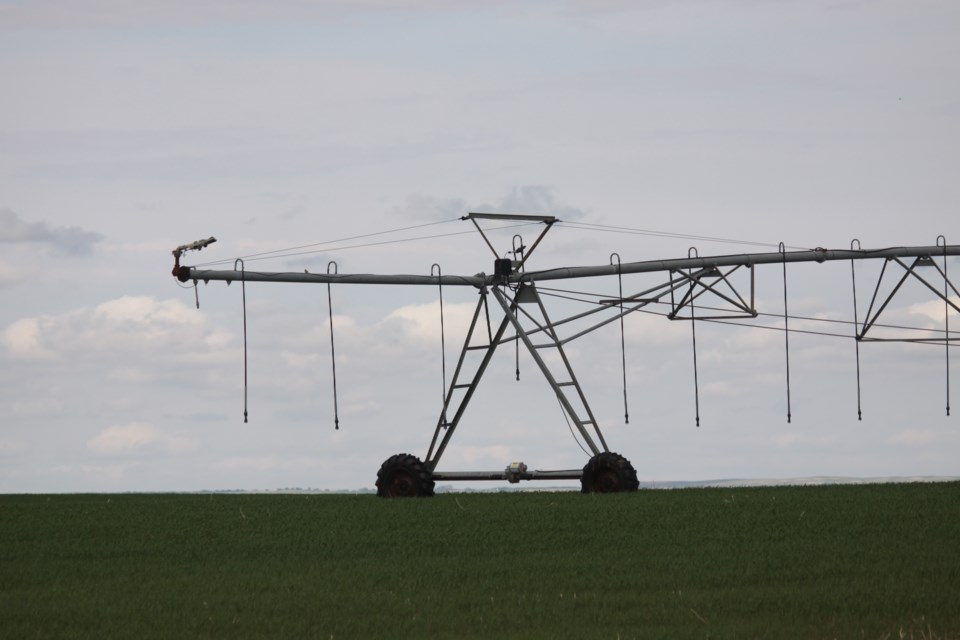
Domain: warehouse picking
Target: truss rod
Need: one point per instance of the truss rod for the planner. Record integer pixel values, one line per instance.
(607, 305)
(510, 315)
(587, 298)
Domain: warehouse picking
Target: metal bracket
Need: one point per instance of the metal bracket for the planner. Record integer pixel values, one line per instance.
(715, 281)
(525, 252)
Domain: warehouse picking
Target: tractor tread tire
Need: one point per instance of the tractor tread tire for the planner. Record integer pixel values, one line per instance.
(402, 476)
(608, 472)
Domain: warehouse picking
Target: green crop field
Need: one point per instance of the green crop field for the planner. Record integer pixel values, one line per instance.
(868, 561)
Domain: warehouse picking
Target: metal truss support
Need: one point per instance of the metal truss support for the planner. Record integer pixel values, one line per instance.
(561, 379)
(567, 387)
(445, 426)
(708, 280)
(547, 221)
(910, 269)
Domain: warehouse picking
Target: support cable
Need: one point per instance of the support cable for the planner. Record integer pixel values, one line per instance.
(274, 252)
(946, 315)
(666, 234)
(741, 322)
(333, 353)
(856, 329)
(443, 345)
(589, 299)
(296, 251)
(786, 328)
(243, 289)
(623, 343)
(809, 332)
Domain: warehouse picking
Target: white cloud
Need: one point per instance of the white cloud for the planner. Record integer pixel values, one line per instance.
(535, 200)
(934, 310)
(521, 199)
(9, 275)
(260, 464)
(24, 337)
(218, 339)
(68, 240)
(137, 437)
(424, 207)
(122, 439)
(479, 457)
(914, 437)
(143, 310)
(644, 329)
(422, 322)
(128, 324)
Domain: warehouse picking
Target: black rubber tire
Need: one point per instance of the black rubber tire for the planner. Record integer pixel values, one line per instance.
(608, 472)
(404, 476)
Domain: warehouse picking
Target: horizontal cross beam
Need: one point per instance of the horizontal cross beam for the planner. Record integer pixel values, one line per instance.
(185, 273)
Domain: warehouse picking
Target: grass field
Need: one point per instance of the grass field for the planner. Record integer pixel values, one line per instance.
(868, 561)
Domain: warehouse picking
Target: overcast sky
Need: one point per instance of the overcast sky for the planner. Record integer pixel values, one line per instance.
(128, 128)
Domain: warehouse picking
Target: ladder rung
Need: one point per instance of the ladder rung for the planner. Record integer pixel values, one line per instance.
(566, 384)
(476, 347)
(462, 386)
(549, 345)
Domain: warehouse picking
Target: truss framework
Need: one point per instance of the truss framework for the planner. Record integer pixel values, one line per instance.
(525, 318)
(909, 270)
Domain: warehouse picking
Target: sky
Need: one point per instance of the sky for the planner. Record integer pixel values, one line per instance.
(129, 128)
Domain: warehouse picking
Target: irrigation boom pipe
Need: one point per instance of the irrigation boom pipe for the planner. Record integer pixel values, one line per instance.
(480, 280)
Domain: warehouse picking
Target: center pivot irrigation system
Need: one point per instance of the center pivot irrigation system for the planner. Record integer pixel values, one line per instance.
(523, 318)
